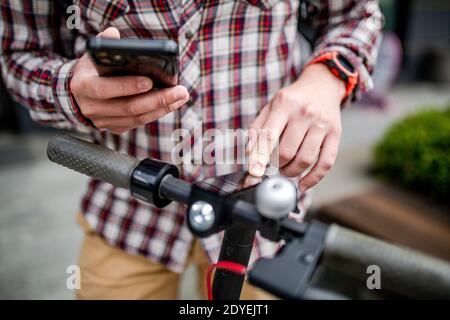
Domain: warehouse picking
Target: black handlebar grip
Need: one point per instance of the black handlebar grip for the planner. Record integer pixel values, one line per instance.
(404, 271)
(92, 160)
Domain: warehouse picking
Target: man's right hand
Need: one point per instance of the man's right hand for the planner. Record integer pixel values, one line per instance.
(121, 103)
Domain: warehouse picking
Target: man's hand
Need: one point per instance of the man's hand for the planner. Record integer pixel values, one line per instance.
(121, 103)
(305, 118)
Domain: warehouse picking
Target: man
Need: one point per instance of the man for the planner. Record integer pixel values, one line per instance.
(240, 67)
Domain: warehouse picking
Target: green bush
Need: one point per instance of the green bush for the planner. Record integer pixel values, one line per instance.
(415, 153)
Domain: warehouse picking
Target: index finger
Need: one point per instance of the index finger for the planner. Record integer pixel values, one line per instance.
(266, 141)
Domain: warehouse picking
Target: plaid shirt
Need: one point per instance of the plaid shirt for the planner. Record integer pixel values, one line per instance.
(233, 56)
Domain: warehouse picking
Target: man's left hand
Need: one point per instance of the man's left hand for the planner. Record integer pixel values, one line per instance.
(305, 118)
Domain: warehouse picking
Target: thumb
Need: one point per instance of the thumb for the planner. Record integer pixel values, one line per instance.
(110, 32)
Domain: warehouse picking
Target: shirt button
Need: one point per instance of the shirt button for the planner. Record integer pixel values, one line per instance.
(189, 34)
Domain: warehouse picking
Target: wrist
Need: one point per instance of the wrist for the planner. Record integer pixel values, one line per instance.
(65, 102)
(321, 74)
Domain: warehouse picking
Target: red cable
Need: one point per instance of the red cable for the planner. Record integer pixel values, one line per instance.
(227, 265)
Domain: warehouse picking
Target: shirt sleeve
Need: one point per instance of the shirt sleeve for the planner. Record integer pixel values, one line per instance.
(352, 28)
(36, 75)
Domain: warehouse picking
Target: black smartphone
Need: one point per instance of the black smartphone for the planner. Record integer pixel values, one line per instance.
(156, 59)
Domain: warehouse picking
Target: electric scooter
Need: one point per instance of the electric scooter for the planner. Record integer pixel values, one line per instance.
(239, 205)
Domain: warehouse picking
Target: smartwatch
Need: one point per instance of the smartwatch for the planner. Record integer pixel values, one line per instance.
(341, 68)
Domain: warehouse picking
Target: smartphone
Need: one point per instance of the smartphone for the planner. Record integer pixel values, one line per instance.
(156, 59)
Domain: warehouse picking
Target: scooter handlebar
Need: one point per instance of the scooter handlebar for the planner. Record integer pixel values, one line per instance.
(402, 270)
(92, 160)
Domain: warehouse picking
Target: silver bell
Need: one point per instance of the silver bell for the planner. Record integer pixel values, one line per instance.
(276, 197)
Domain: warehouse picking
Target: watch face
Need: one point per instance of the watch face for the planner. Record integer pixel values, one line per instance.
(345, 63)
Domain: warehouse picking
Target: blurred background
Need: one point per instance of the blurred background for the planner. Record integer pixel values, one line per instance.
(391, 179)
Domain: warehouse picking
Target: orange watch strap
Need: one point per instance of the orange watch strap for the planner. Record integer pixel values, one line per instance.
(339, 71)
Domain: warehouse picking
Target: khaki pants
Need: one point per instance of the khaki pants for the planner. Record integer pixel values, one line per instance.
(111, 273)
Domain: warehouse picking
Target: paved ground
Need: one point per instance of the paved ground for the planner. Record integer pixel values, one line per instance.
(38, 200)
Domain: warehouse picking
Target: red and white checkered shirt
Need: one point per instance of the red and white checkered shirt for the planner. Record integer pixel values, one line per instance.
(233, 55)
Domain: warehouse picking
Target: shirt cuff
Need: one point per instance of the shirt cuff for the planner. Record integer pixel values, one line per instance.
(364, 83)
(64, 100)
